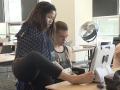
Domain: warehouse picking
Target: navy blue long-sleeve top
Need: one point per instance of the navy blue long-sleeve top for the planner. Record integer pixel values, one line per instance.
(30, 38)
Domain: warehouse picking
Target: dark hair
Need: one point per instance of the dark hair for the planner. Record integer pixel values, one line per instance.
(38, 16)
(61, 26)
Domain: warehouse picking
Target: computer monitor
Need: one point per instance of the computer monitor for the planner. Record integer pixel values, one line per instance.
(116, 40)
(103, 56)
(6, 49)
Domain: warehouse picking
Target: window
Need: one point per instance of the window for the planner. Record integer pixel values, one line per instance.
(108, 25)
(108, 28)
(3, 30)
(12, 10)
(13, 29)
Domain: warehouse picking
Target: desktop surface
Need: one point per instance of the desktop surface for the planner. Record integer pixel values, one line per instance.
(68, 86)
(8, 57)
(65, 85)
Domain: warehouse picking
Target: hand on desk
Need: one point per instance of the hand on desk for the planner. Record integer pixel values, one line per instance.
(83, 78)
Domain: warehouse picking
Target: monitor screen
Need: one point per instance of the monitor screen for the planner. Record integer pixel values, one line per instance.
(105, 7)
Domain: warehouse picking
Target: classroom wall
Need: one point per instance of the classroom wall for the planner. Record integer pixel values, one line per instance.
(66, 13)
(83, 13)
(74, 13)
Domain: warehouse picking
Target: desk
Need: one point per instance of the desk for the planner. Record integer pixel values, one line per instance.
(82, 48)
(88, 48)
(6, 58)
(9, 43)
(68, 86)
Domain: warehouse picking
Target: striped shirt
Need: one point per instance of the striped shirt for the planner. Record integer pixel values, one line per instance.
(32, 39)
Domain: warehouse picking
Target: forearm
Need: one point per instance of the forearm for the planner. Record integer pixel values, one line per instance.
(77, 79)
(66, 77)
(57, 64)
